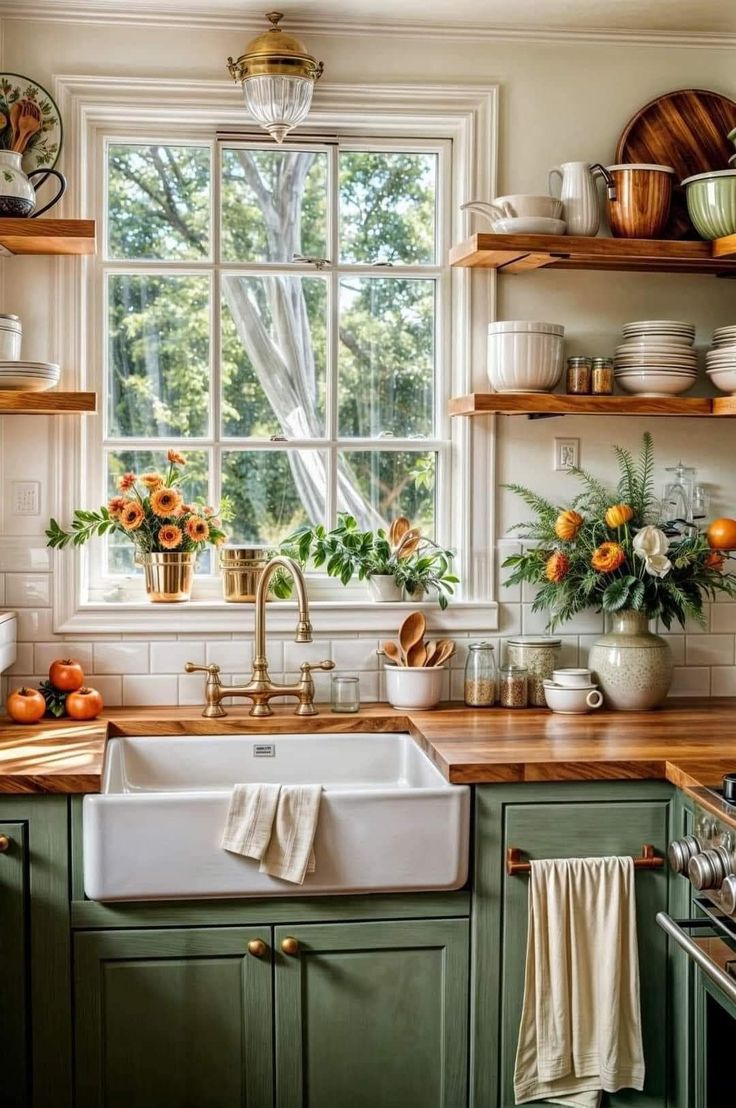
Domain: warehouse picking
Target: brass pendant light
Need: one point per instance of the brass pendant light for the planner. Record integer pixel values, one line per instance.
(277, 76)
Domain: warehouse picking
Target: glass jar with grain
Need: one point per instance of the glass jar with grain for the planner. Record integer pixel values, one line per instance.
(513, 687)
(480, 675)
(602, 377)
(538, 654)
(579, 376)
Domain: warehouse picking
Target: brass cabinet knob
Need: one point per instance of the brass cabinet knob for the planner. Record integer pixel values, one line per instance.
(257, 948)
(290, 946)
(4, 844)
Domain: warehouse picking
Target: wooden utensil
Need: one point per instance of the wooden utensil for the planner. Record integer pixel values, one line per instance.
(417, 655)
(445, 650)
(397, 530)
(411, 632)
(15, 110)
(431, 651)
(687, 130)
(29, 121)
(392, 652)
(409, 543)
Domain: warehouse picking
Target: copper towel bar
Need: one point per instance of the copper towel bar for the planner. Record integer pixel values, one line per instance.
(647, 860)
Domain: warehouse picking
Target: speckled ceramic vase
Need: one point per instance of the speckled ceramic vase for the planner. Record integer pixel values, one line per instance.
(633, 667)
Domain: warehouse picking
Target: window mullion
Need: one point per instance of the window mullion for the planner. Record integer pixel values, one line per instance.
(333, 342)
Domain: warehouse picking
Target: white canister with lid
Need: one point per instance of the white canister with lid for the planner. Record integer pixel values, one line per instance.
(539, 655)
(11, 332)
(525, 355)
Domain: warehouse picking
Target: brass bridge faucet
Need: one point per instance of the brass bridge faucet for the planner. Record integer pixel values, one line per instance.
(261, 689)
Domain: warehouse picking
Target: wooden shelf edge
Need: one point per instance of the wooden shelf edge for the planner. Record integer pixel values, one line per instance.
(725, 247)
(48, 236)
(46, 403)
(541, 404)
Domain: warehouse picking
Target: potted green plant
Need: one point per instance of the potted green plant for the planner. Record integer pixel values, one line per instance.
(393, 563)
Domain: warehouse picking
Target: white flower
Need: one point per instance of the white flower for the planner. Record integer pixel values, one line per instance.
(652, 545)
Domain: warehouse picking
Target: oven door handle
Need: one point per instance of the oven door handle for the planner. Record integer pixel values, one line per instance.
(718, 976)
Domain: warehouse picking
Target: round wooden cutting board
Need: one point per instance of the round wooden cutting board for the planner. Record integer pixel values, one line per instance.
(686, 130)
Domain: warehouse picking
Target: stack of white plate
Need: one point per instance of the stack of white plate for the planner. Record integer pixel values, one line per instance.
(720, 360)
(657, 358)
(28, 376)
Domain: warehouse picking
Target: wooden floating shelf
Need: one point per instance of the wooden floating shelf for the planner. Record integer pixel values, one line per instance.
(46, 403)
(522, 253)
(554, 404)
(47, 236)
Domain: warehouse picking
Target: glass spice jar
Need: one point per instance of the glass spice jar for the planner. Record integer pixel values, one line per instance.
(512, 687)
(579, 376)
(602, 376)
(345, 694)
(540, 656)
(480, 676)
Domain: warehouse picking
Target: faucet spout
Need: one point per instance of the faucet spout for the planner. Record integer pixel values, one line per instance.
(304, 626)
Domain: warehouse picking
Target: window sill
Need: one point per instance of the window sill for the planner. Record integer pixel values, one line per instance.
(213, 616)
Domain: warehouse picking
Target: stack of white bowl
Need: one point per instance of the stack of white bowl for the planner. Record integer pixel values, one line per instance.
(525, 355)
(720, 360)
(16, 374)
(656, 358)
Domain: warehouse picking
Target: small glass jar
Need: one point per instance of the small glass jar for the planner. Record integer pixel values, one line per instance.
(345, 694)
(513, 687)
(602, 377)
(480, 676)
(579, 375)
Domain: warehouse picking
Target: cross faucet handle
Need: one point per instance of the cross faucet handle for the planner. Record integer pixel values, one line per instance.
(307, 667)
(212, 670)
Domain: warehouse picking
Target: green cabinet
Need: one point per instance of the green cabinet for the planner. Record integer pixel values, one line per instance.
(364, 1014)
(372, 1014)
(34, 953)
(179, 1017)
(551, 821)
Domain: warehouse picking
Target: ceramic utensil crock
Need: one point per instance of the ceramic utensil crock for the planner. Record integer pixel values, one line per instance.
(641, 206)
(17, 194)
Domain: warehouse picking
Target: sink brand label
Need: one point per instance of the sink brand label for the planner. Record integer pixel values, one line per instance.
(264, 750)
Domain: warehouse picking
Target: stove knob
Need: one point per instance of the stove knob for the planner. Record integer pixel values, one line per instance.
(680, 852)
(709, 869)
(728, 895)
(729, 788)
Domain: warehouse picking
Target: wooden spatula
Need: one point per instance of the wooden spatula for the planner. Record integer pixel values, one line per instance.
(393, 653)
(412, 632)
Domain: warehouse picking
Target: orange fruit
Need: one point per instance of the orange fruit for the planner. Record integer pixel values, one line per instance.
(721, 534)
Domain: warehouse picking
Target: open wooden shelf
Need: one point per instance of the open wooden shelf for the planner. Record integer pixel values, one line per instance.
(47, 236)
(521, 253)
(549, 404)
(46, 403)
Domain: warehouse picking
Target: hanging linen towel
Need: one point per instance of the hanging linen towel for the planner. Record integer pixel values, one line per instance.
(250, 819)
(580, 1032)
(289, 854)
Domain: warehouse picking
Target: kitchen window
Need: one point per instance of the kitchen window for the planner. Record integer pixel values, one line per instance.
(281, 316)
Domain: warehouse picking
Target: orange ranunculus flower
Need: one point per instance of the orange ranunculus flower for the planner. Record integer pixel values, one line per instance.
(618, 514)
(557, 567)
(715, 560)
(132, 515)
(198, 529)
(169, 536)
(165, 502)
(151, 481)
(176, 458)
(116, 505)
(608, 557)
(568, 524)
(126, 482)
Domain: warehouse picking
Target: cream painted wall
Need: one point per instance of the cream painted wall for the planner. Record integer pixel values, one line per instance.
(558, 102)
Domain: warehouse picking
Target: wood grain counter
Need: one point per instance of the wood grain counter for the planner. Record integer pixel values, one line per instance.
(689, 742)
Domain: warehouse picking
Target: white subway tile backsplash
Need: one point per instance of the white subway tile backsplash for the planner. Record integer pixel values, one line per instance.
(171, 657)
(233, 656)
(27, 590)
(47, 652)
(23, 658)
(709, 650)
(110, 688)
(34, 625)
(677, 646)
(296, 652)
(723, 681)
(121, 657)
(690, 681)
(353, 654)
(723, 618)
(150, 690)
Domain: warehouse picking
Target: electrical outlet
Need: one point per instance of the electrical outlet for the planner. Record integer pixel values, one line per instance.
(567, 453)
(26, 498)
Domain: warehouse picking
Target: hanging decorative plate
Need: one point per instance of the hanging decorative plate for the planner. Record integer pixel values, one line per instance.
(29, 122)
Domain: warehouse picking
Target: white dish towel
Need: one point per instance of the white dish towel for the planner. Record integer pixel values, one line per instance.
(276, 825)
(580, 1032)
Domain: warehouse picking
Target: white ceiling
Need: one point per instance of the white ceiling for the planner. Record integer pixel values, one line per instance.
(701, 17)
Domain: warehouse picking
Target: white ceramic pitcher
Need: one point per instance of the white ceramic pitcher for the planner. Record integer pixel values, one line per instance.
(579, 195)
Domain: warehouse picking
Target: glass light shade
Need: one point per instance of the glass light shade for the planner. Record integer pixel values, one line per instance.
(278, 103)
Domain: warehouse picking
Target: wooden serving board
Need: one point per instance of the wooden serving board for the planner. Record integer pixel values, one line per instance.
(686, 130)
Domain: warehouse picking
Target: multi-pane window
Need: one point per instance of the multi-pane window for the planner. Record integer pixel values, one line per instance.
(280, 316)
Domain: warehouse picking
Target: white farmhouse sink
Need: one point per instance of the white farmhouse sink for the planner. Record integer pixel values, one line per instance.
(389, 822)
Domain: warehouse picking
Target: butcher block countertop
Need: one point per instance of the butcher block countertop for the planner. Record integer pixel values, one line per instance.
(688, 742)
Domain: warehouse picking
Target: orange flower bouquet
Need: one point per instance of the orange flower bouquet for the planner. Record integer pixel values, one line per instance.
(152, 512)
(611, 551)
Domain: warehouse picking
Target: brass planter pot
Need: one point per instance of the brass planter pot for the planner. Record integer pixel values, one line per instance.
(241, 567)
(169, 576)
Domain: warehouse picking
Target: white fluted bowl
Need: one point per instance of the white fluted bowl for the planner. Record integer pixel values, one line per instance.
(525, 356)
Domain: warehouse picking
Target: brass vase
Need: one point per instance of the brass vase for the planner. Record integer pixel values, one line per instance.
(169, 575)
(242, 567)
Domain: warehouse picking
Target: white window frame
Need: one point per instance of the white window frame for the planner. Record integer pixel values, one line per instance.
(188, 111)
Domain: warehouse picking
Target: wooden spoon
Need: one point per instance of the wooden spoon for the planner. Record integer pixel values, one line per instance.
(397, 530)
(445, 650)
(431, 651)
(411, 632)
(15, 110)
(417, 655)
(392, 652)
(409, 543)
(28, 123)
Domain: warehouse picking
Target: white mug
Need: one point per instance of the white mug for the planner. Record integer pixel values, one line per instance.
(571, 701)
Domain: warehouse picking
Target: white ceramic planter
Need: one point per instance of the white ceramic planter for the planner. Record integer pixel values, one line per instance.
(383, 588)
(525, 356)
(415, 688)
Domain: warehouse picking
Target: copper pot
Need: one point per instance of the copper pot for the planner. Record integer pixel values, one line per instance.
(241, 567)
(641, 207)
(168, 575)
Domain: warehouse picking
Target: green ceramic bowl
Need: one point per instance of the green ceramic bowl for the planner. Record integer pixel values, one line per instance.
(711, 203)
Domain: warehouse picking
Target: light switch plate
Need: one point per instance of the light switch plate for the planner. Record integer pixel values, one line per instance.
(567, 454)
(25, 498)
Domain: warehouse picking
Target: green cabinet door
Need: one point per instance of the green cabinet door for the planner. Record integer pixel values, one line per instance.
(556, 821)
(181, 1018)
(372, 1015)
(14, 999)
